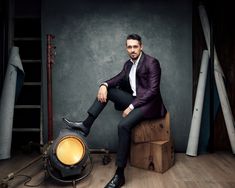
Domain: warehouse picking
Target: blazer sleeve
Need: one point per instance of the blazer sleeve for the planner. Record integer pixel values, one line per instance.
(112, 82)
(145, 96)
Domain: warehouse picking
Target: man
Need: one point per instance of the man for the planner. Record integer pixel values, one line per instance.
(135, 91)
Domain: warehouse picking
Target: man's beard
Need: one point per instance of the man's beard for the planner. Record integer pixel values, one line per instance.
(134, 58)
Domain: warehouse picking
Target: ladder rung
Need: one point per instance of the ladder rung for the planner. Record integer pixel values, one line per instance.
(32, 83)
(31, 60)
(27, 39)
(26, 129)
(27, 106)
(28, 17)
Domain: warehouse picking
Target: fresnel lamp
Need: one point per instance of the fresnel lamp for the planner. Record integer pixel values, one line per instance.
(69, 157)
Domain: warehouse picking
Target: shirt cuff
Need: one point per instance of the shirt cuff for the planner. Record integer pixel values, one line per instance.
(105, 84)
(131, 107)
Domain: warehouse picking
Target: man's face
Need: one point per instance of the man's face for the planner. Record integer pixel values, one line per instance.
(133, 48)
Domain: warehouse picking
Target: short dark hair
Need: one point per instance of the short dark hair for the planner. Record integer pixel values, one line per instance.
(134, 37)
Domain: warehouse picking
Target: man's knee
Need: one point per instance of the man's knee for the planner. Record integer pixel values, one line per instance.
(111, 91)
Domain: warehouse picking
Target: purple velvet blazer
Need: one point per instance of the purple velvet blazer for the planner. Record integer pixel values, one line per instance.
(148, 96)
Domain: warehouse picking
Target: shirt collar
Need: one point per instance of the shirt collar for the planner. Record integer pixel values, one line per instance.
(137, 61)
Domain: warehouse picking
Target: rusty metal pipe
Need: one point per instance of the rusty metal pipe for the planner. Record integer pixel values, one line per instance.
(50, 61)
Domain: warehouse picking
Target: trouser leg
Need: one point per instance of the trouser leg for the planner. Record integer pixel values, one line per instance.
(124, 134)
(120, 98)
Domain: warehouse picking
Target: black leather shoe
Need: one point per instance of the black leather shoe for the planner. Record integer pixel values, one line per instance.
(78, 126)
(116, 182)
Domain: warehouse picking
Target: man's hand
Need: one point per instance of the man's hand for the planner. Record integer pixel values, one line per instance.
(126, 112)
(102, 94)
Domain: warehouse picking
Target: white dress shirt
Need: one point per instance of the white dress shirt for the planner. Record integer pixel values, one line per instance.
(132, 74)
(132, 77)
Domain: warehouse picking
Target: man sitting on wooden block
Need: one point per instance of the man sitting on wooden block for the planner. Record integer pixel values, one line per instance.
(135, 91)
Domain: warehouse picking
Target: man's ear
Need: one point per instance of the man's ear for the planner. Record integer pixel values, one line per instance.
(141, 47)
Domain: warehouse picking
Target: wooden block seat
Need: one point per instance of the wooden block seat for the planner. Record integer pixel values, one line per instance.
(152, 130)
(152, 146)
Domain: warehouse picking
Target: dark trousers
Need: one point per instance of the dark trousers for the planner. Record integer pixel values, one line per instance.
(121, 100)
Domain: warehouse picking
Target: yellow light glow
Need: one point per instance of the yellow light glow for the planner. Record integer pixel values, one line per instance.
(70, 150)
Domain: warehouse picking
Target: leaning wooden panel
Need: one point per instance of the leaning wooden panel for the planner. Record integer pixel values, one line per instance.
(157, 156)
(152, 130)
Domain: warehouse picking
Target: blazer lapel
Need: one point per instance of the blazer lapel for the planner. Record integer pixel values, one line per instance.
(129, 65)
(128, 69)
(140, 62)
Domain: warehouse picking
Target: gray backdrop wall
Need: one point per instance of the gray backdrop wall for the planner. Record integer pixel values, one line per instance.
(90, 41)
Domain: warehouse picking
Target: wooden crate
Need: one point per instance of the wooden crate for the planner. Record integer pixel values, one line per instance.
(157, 156)
(152, 130)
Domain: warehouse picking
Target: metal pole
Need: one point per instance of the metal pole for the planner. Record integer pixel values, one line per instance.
(50, 61)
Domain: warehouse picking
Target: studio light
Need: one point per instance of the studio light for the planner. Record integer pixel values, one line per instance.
(66, 159)
(69, 157)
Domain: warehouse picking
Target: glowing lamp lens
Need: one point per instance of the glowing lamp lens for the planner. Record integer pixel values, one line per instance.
(70, 150)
